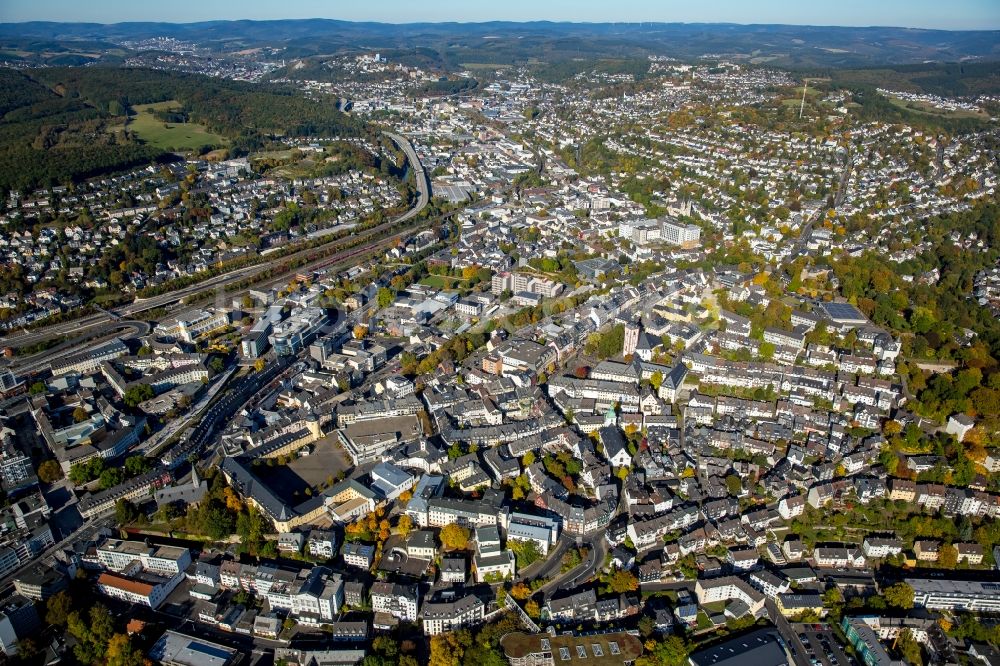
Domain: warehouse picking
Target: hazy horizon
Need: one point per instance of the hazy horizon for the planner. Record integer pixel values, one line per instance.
(914, 14)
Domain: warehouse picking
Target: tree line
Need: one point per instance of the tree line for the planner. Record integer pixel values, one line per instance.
(56, 122)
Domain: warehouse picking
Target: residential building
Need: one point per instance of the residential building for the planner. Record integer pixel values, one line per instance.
(148, 591)
(866, 642)
(400, 601)
(451, 612)
(322, 544)
(879, 547)
(795, 604)
(360, 555)
(684, 235)
(729, 588)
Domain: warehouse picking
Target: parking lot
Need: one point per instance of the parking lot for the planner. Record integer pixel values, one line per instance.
(821, 644)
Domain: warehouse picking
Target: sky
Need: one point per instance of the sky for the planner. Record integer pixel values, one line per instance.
(942, 14)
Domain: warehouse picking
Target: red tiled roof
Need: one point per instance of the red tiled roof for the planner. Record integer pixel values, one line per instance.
(126, 584)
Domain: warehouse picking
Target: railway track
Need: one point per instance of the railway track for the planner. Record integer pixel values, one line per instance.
(248, 273)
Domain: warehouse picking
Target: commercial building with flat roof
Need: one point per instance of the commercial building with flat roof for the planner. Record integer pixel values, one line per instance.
(759, 648)
(40, 582)
(843, 313)
(18, 619)
(193, 324)
(592, 649)
(950, 594)
(298, 331)
(89, 360)
(177, 649)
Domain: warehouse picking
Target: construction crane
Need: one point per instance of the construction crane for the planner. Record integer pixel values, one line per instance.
(802, 106)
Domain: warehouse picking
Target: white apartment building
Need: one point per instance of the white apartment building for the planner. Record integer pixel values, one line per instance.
(360, 555)
(118, 555)
(318, 597)
(729, 588)
(685, 235)
(444, 616)
(400, 601)
(943, 594)
(881, 547)
(148, 591)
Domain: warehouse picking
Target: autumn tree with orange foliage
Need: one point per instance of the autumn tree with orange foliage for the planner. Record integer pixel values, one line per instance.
(404, 524)
(233, 501)
(520, 591)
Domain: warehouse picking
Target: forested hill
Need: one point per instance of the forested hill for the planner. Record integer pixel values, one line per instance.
(64, 124)
(522, 42)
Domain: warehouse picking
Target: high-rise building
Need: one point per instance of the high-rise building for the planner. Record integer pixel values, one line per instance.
(298, 331)
(685, 235)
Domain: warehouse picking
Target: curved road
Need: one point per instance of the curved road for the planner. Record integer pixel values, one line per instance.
(220, 281)
(565, 581)
(419, 175)
(133, 329)
(597, 550)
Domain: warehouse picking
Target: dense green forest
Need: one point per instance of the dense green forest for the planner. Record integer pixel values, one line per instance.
(61, 124)
(444, 87)
(47, 139)
(932, 319)
(17, 91)
(954, 79)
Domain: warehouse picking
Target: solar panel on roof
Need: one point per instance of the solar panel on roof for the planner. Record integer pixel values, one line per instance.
(210, 650)
(842, 311)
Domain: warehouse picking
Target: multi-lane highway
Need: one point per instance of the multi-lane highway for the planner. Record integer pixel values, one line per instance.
(419, 174)
(375, 234)
(102, 331)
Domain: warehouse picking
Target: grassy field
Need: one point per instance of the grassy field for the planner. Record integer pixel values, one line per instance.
(930, 110)
(301, 169)
(811, 95)
(170, 136)
(443, 282)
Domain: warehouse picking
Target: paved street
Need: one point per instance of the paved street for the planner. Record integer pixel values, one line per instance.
(788, 634)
